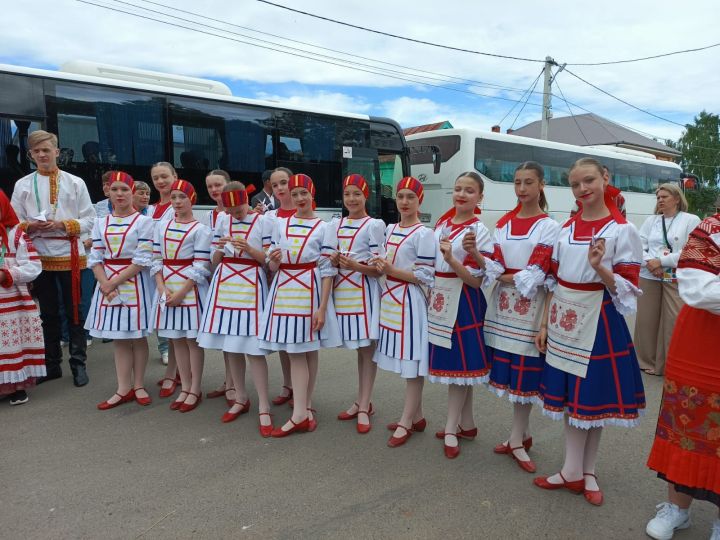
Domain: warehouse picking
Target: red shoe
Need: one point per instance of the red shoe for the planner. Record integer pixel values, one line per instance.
(281, 400)
(364, 428)
(504, 448)
(175, 405)
(576, 486)
(230, 416)
(187, 408)
(312, 423)
(593, 497)
(418, 426)
(347, 416)
(229, 402)
(300, 427)
(167, 392)
(451, 452)
(527, 466)
(265, 431)
(215, 393)
(468, 434)
(105, 405)
(394, 441)
(144, 401)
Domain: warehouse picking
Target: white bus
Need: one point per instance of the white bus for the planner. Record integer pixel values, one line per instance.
(495, 156)
(110, 117)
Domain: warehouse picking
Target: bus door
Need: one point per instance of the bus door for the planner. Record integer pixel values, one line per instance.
(364, 161)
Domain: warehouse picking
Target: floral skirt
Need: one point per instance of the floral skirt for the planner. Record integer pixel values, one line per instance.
(686, 449)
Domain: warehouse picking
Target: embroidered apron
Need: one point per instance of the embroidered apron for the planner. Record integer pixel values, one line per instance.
(349, 287)
(443, 308)
(174, 269)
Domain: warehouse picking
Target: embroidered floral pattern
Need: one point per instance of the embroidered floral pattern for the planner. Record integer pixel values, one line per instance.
(504, 301)
(439, 302)
(553, 314)
(568, 320)
(689, 418)
(522, 305)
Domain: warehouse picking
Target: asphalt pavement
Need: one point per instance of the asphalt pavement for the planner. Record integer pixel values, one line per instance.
(72, 471)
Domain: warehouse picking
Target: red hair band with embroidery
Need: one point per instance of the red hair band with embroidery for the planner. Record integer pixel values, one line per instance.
(301, 181)
(357, 180)
(186, 187)
(125, 178)
(414, 185)
(236, 197)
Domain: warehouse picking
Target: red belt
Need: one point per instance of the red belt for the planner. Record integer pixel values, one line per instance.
(511, 271)
(446, 274)
(117, 261)
(178, 262)
(240, 260)
(396, 280)
(298, 266)
(74, 272)
(582, 286)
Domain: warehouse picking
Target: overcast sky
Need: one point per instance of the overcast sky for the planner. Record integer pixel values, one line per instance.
(47, 34)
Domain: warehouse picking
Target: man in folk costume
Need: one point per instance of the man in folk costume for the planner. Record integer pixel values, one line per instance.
(54, 209)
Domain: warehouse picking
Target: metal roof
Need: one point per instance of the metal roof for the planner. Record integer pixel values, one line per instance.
(445, 124)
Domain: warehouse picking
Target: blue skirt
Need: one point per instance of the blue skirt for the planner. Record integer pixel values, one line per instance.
(612, 391)
(468, 361)
(517, 375)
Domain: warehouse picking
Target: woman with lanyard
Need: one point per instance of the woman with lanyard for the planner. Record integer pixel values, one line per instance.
(121, 257)
(524, 240)
(663, 236)
(356, 291)
(22, 360)
(299, 317)
(236, 300)
(456, 311)
(407, 267)
(279, 181)
(687, 440)
(591, 376)
(181, 265)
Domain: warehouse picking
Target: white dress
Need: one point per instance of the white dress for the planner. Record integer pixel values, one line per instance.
(403, 328)
(119, 242)
(294, 295)
(356, 295)
(238, 291)
(181, 251)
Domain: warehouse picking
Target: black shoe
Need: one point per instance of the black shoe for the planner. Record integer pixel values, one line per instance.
(80, 376)
(19, 397)
(51, 376)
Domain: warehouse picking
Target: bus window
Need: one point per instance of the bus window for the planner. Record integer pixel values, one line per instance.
(498, 160)
(630, 176)
(449, 145)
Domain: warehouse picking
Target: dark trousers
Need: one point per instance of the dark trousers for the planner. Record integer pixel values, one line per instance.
(49, 288)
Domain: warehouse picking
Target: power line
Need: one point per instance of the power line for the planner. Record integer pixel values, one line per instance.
(343, 65)
(623, 101)
(528, 90)
(526, 100)
(571, 112)
(404, 38)
(662, 55)
(284, 38)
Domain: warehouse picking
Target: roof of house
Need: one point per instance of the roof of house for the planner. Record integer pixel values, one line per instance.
(591, 129)
(428, 127)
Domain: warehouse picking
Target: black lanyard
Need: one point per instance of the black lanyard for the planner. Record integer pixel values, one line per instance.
(665, 234)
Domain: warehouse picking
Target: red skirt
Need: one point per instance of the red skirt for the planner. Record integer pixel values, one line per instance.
(686, 449)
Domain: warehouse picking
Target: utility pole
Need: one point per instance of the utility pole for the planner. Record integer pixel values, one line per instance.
(547, 98)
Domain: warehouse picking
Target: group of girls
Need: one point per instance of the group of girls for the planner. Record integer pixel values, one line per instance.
(407, 298)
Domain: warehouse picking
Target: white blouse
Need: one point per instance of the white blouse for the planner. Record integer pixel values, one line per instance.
(678, 229)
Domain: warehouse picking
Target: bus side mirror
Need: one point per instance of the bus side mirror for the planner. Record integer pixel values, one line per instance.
(436, 159)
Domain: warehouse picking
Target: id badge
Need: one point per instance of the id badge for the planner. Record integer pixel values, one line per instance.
(668, 273)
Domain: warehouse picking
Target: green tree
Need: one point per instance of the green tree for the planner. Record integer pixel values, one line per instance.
(700, 147)
(701, 201)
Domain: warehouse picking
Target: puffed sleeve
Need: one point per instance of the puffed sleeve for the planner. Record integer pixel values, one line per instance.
(699, 268)
(26, 265)
(495, 264)
(626, 268)
(551, 277)
(157, 252)
(671, 260)
(200, 270)
(97, 252)
(328, 247)
(528, 280)
(143, 255)
(377, 238)
(425, 246)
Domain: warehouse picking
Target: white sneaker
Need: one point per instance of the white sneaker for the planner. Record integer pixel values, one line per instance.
(668, 519)
(164, 358)
(715, 533)
(88, 342)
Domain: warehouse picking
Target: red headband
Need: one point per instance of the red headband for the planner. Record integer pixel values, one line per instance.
(414, 185)
(358, 181)
(236, 197)
(186, 187)
(301, 181)
(125, 178)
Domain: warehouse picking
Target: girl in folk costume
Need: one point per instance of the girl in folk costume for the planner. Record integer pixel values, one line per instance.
(591, 374)
(456, 311)
(299, 316)
(524, 240)
(408, 265)
(181, 264)
(120, 259)
(687, 440)
(356, 292)
(237, 298)
(22, 359)
(279, 181)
